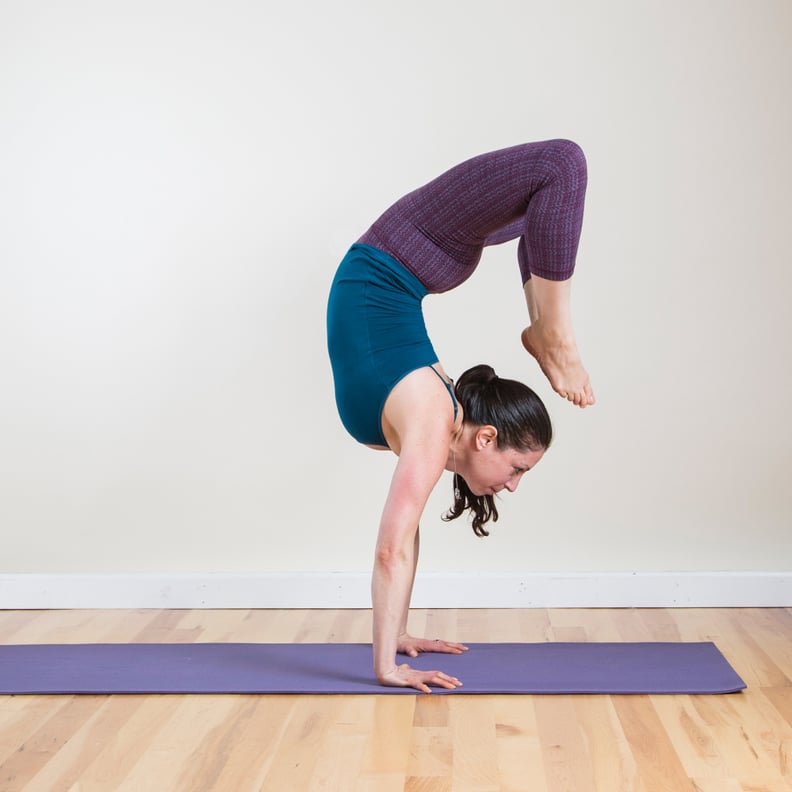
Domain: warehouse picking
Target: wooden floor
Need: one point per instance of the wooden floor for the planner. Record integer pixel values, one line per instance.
(416, 743)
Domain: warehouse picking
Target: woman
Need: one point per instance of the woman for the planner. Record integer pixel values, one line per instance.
(391, 391)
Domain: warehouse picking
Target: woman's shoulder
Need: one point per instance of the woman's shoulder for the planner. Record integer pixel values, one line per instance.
(421, 411)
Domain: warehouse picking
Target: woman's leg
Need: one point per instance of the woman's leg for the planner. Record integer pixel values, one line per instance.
(550, 338)
(530, 300)
(547, 255)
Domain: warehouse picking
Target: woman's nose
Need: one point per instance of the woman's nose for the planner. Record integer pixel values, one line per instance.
(512, 483)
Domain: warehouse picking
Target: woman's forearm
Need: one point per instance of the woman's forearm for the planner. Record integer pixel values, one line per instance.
(391, 587)
(416, 550)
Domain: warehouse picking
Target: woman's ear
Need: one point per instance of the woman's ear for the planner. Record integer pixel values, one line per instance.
(486, 436)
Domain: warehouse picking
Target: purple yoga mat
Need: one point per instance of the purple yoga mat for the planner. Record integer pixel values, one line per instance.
(346, 668)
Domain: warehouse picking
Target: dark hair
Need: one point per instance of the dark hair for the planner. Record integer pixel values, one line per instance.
(519, 416)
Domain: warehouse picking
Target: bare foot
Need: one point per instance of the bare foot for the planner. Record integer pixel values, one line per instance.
(559, 360)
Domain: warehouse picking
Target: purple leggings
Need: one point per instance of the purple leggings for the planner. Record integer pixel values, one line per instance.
(534, 191)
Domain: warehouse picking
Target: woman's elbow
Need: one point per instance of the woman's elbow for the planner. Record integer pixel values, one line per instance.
(389, 558)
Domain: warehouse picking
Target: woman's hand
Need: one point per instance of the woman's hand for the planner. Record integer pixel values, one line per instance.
(404, 676)
(412, 647)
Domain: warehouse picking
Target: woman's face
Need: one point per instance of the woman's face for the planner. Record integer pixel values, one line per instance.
(492, 469)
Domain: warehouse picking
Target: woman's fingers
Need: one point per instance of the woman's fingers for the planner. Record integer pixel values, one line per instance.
(421, 680)
(444, 680)
(412, 646)
(404, 676)
(446, 647)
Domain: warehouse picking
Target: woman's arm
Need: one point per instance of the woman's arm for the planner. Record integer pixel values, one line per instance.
(395, 555)
(411, 646)
(419, 419)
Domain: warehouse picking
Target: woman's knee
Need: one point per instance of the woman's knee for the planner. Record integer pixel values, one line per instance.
(567, 160)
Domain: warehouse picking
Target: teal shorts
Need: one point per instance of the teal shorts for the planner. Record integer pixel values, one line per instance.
(376, 335)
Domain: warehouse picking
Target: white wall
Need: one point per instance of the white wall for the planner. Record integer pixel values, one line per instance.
(178, 181)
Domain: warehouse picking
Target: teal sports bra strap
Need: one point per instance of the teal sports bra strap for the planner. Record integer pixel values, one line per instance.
(450, 388)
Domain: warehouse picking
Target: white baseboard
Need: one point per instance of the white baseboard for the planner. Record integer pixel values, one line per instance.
(432, 590)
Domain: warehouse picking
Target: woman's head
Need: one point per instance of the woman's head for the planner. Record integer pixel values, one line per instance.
(507, 429)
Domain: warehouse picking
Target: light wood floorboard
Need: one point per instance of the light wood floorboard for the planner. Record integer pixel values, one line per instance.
(452, 743)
